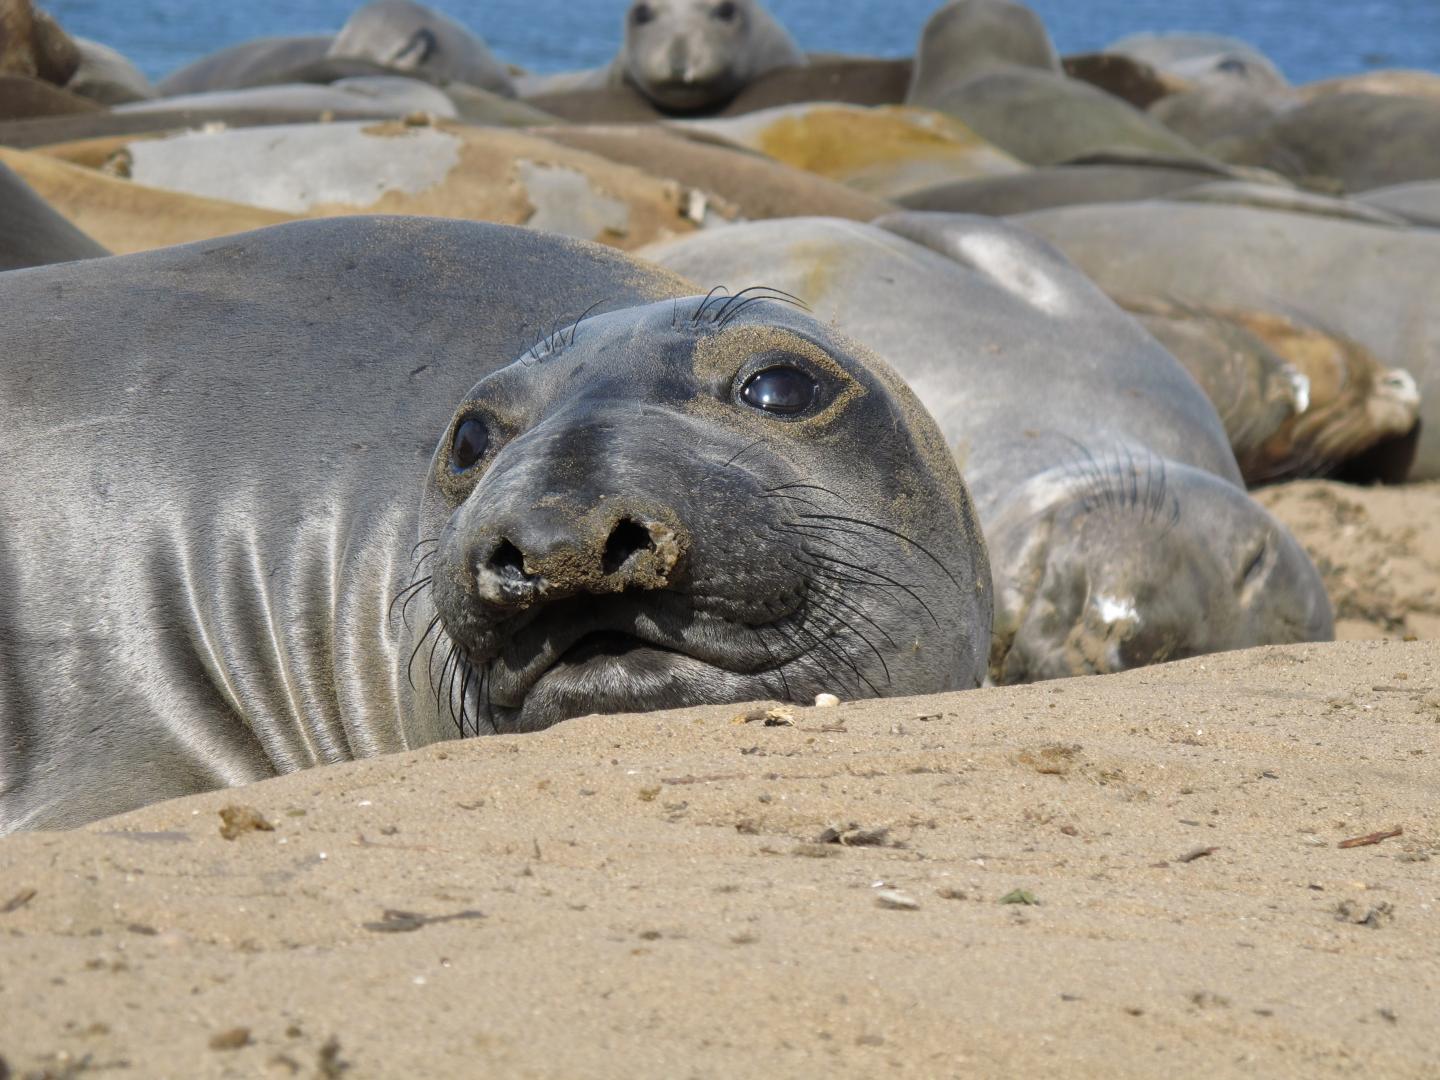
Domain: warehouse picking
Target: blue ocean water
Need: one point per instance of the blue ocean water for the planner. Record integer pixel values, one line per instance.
(1309, 39)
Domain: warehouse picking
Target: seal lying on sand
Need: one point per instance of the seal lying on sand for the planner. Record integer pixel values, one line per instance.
(1118, 530)
(32, 232)
(674, 500)
(248, 63)
(990, 63)
(686, 55)
(414, 40)
(1357, 284)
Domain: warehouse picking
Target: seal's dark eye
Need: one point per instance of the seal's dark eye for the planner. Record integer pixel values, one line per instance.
(641, 14)
(726, 11)
(471, 439)
(786, 391)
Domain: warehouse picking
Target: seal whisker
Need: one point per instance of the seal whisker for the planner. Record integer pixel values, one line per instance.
(721, 290)
(782, 298)
(888, 580)
(409, 673)
(575, 326)
(743, 451)
(824, 643)
(891, 532)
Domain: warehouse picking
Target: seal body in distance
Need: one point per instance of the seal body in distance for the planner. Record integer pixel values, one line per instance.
(1118, 530)
(1354, 283)
(990, 64)
(245, 64)
(367, 483)
(687, 55)
(414, 40)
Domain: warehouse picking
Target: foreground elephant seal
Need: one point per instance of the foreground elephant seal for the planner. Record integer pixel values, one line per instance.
(414, 40)
(366, 484)
(1118, 530)
(686, 55)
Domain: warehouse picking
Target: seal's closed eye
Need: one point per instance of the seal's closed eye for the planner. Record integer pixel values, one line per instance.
(471, 440)
(725, 11)
(641, 14)
(786, 391)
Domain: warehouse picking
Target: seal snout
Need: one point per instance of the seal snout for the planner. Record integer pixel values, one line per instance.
(625, 552)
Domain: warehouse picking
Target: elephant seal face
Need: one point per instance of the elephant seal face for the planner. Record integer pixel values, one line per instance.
(687, 54)
(704, 500)
(1127, 562)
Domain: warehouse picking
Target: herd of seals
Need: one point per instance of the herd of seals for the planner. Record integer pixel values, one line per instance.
(361, 390)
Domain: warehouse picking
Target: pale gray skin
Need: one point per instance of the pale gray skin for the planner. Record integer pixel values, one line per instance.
(107, 76)
(232, 508)
(1418, 202)
(1055, 185)
(964, 38)
(1118, 529)
(687, 55)
(412, 39)
(33, 233)
(1205, 59)
(990, 64)
(1371, 284)
(249, 63)
(1360, 141)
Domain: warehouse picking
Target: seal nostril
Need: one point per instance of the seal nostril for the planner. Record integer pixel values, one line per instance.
(507, 561)
(627, 538)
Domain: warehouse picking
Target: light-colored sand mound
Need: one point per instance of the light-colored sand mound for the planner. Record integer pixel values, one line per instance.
(1377, 548)
(680, 895)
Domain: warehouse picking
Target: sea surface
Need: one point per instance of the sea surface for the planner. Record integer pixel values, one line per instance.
(1308, 39)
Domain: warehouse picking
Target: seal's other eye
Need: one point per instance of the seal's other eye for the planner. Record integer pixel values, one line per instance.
(726, 11)
(471, 439)
(785, 391)
(641, 14)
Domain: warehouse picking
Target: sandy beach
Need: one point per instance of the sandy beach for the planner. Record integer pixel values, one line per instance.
(1116, 876)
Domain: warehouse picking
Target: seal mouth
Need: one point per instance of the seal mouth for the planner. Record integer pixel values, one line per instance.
(621, 653)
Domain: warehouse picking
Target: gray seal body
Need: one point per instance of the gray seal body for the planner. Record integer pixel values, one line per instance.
(33, 233)
(412, 39)
(342, 487)
(1118, 530)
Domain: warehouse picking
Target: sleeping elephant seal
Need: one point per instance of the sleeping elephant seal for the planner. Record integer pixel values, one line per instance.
(368, 483)
(32, 232)
(248, 63)
(686, 55)
(1118, 530)
(414, 40)
(990, 63)
(1306, 280)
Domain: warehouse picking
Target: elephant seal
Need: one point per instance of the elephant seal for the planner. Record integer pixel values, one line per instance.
(369, 483)
(1344, 283)
(108, 76)
(1360, 141)
(687, 55)
(33, 45)
(1204, 59)
(1118, 529)
(246, 64)
(32, 232)
(991, 64)
(1417, 203)
(414, 40)
(1055, 185)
